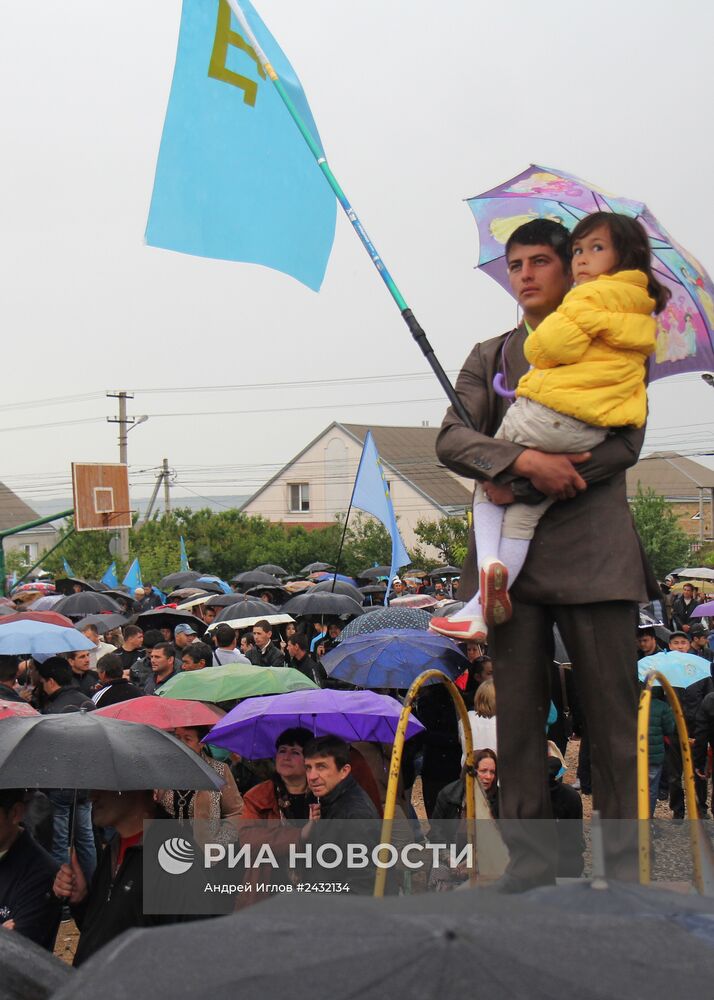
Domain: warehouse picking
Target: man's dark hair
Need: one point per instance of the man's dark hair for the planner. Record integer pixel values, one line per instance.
(111, 666)
(56, 669)
(152, 637)
(480, 662)
(197, 651)
(329, 746)
(129, 631)
(224, 635)
(10, 797)
(266, 626)
(167, 648)
(300, 639)
(248, 636)
(8, 668)
(297, 736)
(542, 232)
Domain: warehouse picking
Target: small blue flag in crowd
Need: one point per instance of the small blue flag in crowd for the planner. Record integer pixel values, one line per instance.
(132, 580)
(371, 493)
(235, 180)
(110, 578)
(67, 568)
(184, 558)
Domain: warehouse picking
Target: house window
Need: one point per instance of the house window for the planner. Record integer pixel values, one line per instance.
(30, 551)
(299, 497)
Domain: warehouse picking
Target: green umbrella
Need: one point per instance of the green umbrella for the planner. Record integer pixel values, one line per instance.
(234, 680)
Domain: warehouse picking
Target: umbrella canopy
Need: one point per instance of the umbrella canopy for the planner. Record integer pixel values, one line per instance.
(233, 680)
(705, 586)
(46, 602)
(322, 576)
(7, 610)
(164, 713)
(414, 601)
(392, 659)
(374, 572)
(86, 603)
(8, 709)
(173, 581)
(213, 585)
(222, 600)
(249, 607)
(445, 571)
(38, 637)
(417, 947)
(169, 618)
(251, 621)
(121, 596)
(318, 604)
(28, 972)
(703, 572)
(317, 567)
(272, 569)
(299, 586)
(256, 578)
(45, 617)
(86, 750)
(66, 584)
(685, 329)
(373, 588)
(680, 669)
(185, 593)
(103, 623)
(277, 594)
(388, 618)
(252, 728)
(704, 610)
(340, 587)
(36, 587)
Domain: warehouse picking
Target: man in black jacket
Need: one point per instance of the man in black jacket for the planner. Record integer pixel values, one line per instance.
(9, 666)
(683, 607)
(114, 688)
(265, 654)
(300, 659)
(27, 872)
(56, 676)
(83, 677)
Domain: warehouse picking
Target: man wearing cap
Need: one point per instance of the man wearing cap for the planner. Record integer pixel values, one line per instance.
(700, 643)
(184, 635)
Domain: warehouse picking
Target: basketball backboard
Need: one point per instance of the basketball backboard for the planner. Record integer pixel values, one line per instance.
(101, 496)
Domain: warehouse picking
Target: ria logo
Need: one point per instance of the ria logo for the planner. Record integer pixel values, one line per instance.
(176, 856)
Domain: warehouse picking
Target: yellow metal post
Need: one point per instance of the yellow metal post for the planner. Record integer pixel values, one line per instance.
(396, 763)
(643, 804)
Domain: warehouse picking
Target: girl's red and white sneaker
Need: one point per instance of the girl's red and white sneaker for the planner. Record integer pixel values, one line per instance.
(471, 629)
(495, 600)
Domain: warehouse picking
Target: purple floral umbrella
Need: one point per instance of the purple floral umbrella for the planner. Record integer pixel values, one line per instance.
(685, 329)
(252, 727)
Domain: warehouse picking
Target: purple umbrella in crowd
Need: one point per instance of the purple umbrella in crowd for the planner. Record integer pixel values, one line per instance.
(252, 727)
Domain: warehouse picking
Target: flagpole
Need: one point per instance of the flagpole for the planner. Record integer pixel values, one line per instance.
(344, 527)
(408, 316)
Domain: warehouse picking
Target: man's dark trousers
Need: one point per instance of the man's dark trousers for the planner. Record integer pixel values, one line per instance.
(600, 640)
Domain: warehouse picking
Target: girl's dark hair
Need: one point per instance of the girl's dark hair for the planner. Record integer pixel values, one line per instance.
(631, 245)
(482, 755)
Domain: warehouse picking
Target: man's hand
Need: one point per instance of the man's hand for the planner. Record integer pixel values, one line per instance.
(314, 818)
(500, 495)
(70, 883)
(554, 475)
(9, 925)
(685, 628)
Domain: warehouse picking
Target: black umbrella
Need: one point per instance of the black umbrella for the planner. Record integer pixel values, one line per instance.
(255, 578)
(272, 568)
(339, 587)
(28, 972)
(210, 586)
(318, 604)
(373, 588)
(445, 571)
(374, 572)
(184, 594)
(175, 580)
(66, 585)
(247, 608)
(222, 600)
(317, 567)
(392, 618)
(277, 594)
(417, 948)
(103, 623)
(169, 618)
(84, 750)
(86, 603)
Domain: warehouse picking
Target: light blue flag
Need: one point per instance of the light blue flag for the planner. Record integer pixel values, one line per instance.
(184, 557)
(371, 493)
(235, 179)
(67, 568)
(132, 580)
(110, 577)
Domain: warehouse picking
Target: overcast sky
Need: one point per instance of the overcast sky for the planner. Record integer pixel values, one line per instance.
(419, 105)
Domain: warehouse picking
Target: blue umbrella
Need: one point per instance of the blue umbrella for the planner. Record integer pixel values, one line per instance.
(680, 669)
(39, 637)
(215, 580)
(388, 659)
(388, 618)
(252, 727)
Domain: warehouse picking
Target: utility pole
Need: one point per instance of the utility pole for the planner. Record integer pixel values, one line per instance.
(167, 487)
(124, 424)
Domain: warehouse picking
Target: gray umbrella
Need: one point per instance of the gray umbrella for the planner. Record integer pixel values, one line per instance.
(272, 568)
(387, 618)
(339, 587)
(247, 608)
(317, 567)
(84, 750)
(256, 578)
(322, 605)
(103, 623)
(86, 603)
(448, 945)
(28, 972)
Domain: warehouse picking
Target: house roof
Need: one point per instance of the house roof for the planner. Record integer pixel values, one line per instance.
(409, 451)
(13, 510)
(671, 475)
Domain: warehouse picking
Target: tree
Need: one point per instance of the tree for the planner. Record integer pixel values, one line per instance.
(450, 536)
(664, 541)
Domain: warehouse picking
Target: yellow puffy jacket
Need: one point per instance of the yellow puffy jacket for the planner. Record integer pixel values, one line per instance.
(589, 356)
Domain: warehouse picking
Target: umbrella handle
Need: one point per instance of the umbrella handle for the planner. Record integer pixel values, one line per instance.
(73, 825)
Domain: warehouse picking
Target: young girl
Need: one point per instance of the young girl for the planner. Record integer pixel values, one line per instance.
(588, 372)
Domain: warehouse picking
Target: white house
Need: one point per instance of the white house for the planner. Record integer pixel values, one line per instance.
(315, 486)
(13, 512)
